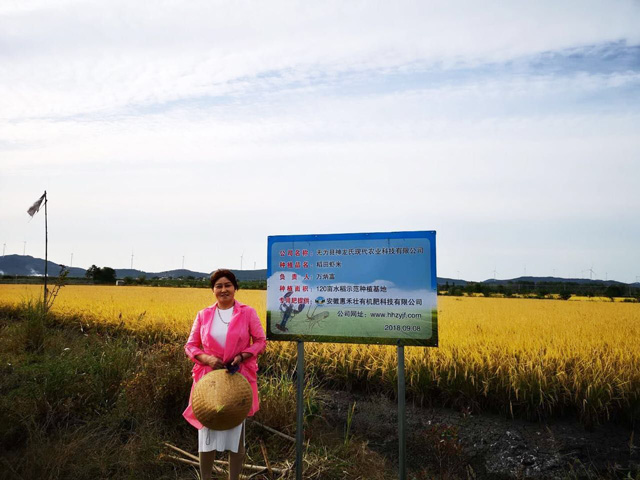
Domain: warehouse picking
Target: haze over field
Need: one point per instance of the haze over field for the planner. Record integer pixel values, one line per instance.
(197, 129)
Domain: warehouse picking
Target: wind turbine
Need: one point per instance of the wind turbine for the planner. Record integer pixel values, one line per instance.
(241, 257)
(591, 273)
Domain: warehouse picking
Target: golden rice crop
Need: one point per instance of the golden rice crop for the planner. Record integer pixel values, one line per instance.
(137, 307)
(539, 357)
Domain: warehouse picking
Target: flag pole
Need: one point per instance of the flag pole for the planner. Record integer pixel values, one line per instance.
(33, 209)
(46, 248)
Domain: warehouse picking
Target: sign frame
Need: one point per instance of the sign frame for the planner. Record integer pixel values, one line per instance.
(429, 235)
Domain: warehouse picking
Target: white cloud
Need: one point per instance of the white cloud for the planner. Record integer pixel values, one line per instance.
(106, 57)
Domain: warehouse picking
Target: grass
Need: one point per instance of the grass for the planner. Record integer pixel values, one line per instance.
(94, 399)
(99, 403)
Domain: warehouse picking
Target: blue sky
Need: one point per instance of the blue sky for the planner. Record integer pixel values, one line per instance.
(199, 129)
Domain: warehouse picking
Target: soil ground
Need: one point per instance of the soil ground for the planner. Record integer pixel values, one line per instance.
(447, 444)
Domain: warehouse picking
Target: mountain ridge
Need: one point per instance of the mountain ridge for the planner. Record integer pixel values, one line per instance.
(26, 265)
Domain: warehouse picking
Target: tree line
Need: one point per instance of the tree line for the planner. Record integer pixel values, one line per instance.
(107, 275)
(563, 290)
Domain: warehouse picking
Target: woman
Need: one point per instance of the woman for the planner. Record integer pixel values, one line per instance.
(226, 332)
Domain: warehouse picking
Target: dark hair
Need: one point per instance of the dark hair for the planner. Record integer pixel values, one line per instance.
(221, 272)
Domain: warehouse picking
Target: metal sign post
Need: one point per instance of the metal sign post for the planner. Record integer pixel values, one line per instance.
(300, 410)
(401, 415)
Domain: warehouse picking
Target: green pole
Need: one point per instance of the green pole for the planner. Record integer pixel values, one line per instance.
(401, 415)
(300, 410)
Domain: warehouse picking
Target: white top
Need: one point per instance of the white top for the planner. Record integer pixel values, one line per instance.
(220, 440)
(220, 325)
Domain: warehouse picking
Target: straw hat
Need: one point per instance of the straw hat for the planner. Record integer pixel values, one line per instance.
(222, 400)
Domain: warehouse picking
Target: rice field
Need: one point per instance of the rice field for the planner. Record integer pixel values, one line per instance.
(139, 308)
(522, 356)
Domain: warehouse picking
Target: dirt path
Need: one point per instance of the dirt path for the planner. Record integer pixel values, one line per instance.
(450, 444)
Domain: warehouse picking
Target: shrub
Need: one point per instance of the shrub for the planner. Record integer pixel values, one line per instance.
(33, 314)
(278, 401)
(159, 389)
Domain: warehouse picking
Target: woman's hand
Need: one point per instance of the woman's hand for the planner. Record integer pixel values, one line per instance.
(211, 360)
(241, 357)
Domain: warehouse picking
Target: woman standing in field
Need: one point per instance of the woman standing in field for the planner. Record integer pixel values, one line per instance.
(227, 332)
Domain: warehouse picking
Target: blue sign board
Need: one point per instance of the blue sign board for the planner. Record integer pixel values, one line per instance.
(377, 288)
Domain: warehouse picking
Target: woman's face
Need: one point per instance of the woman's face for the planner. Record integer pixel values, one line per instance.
(224, 290)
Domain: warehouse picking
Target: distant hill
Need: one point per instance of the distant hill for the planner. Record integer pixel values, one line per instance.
(241, 275)
(452, 281)
(25, 265)
(128, 272)
(579, 281)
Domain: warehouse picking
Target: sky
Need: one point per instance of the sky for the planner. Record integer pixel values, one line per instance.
(190, 131)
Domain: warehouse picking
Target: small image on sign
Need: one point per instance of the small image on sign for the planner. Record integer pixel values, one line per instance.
(288, 311)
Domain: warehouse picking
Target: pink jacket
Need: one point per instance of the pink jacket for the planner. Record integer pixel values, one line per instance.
(243, 328)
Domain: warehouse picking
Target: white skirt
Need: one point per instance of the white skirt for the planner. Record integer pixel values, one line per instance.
(220, 440)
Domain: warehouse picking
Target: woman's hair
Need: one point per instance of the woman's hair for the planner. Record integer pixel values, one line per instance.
(218, 274)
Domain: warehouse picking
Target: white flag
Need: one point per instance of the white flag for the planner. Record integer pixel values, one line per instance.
(36, 206)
